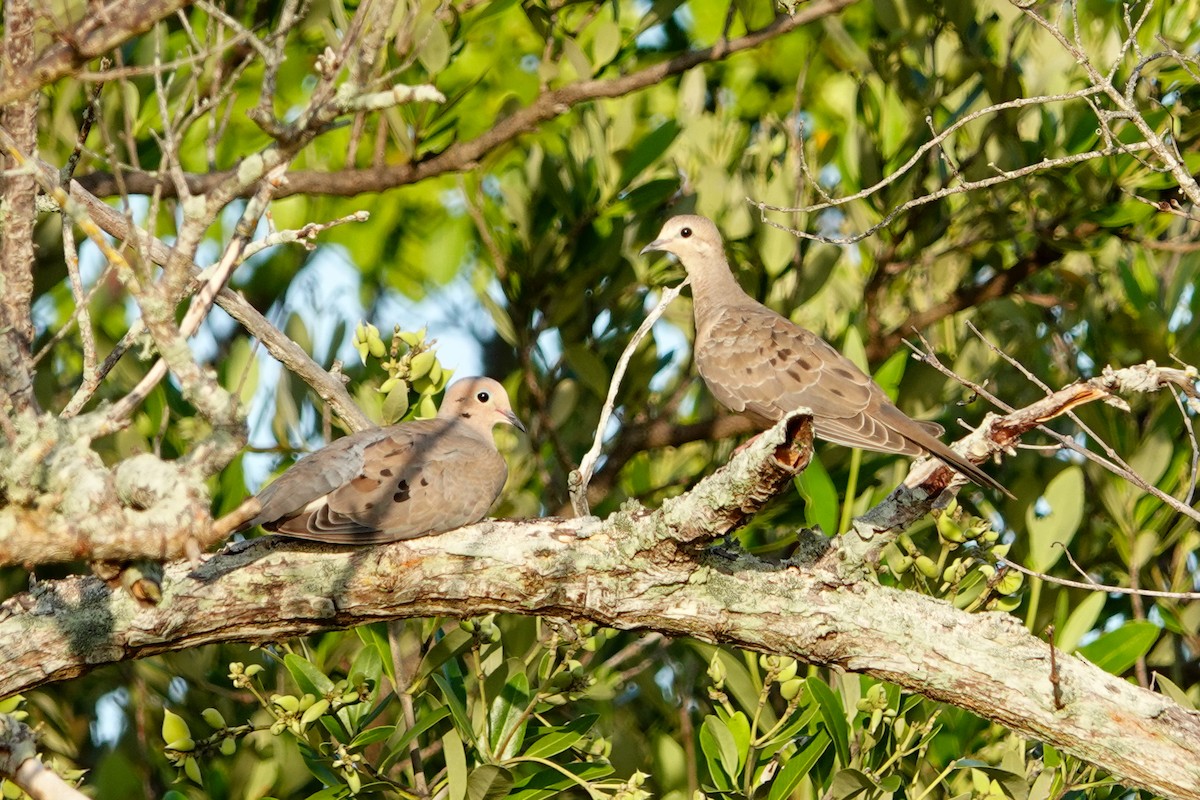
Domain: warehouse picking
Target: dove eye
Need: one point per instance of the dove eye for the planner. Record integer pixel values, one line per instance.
(483, 397)
(686, 232)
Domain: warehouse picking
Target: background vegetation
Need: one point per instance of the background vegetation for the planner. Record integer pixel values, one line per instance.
(1026, 169)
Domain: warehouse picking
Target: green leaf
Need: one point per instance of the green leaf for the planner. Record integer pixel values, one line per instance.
(849, 783)
(1172, 691)
(456, 765)
(588, 368)
(720, 747)
(1117, 651)
(508, 719)
(1081, 620)
(1049, 535)
(820, 497)
(797, 767)
(398, 748)
(891, 372)
(310, 679)
(647, 151)
(833, 715)
(372, 735)
(454, 642)
(434, 52)
(853, 349)
(458, 707)
(561, 737)
(240, 370)
(489, 782)
(606, 42)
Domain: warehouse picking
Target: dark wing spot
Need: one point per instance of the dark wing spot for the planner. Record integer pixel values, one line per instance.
(364, 484)
(786, 352)
(386, 472)
(465, 415)
(424, 481)
(803, 363)
(842, 372)
(368, 506)
(837, 390)
(749, 370)
(402, 492)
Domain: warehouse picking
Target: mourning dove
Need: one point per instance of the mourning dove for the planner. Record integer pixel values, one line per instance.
(761, 364)
(399, 482)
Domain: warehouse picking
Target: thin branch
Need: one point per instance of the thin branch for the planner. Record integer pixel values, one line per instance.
(1002, 176)
(95, 35)
(462, 155)
(1098, 587)
(1147, 377)
(579, 479)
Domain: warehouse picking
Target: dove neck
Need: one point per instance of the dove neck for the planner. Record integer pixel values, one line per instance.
(716, 286)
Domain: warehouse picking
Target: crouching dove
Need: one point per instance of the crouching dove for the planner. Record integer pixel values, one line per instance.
(761, 364)
(399, 482)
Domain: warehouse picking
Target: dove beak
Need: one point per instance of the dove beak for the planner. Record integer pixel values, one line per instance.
(511, 418)
(657, 244)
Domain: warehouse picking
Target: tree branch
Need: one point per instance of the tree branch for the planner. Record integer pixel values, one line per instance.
(463, 156)
(627, 572)
(17, 218)
(100, 31)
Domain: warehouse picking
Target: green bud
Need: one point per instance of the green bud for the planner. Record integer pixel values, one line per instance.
(376, 346)
(174, 728)
(192, 770)
(421, 365)
(228, 746)
(314, 712)
(1010, 583)
(213, 718)
(926, 566)
(948, 529)
(286, 702)
(716, 670)
(790, 688)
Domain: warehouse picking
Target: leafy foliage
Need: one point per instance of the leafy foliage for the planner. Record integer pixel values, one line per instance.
(527, 247)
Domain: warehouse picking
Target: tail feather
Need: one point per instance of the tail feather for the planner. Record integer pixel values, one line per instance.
(956, 462)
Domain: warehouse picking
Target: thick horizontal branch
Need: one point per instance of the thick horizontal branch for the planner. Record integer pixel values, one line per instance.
(465, 155)
(625, 572)
(101, 30)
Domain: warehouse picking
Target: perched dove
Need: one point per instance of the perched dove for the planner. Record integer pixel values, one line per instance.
(761, 364)
(399, 482)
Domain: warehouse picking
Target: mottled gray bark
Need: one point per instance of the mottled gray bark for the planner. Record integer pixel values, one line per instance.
(17, 216)
(636, 570)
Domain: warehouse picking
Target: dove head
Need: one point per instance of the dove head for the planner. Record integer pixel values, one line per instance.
(481, 403)
(695, 240)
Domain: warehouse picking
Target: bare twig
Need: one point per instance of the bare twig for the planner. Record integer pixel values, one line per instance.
(1100, 587)
(579, 479)
(548, 105)
(1147, 377)
(95, 35)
